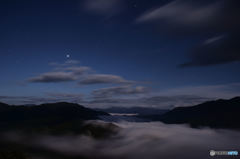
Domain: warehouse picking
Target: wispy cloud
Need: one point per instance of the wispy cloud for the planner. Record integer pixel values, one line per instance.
(66, 96)
(103, 79)
(71, 71)
(66, 63)
(18, 100)
(181, 96)
(156, 101)
(182, 12)
(46, 98)
(63, 72)
(132, 96)
(104, 7)
(216, 50)
(212, 91)
(205, 18)
(213, 39)
(53, 77)
(78, 70)
(109, 100)
(119, 91)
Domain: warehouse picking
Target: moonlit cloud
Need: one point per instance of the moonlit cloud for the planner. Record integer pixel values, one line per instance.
(103, 79)
(72, 62)
(22, 100)
(53, 77)
(211, 91)
(63, 72)
(213, 39)
(150, 140)
(66, 96)
(46, 98)
(157, 101)
(78, 70)
(104, 7)
(70, 71)
(201, 18)
(187, 16)
(132, 96)
(215, 51)
(66, 63)
(182, 12)
(118, 91)
(166, 99)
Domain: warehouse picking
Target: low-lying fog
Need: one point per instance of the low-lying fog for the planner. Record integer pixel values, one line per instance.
(152, 140)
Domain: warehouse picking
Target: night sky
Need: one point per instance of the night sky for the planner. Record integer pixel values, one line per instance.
(101, 53)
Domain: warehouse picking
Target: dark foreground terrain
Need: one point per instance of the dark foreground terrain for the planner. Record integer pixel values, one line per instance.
(71, 131)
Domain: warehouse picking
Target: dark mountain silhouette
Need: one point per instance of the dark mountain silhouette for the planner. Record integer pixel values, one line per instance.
(3, 106)
(57, 119)
(216, 114)
(133, 110)
(54, 118)
(43, 111)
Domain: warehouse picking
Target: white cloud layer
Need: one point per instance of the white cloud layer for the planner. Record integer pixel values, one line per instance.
(142, 141)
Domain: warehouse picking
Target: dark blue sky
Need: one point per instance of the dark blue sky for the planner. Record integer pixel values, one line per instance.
(120, 51)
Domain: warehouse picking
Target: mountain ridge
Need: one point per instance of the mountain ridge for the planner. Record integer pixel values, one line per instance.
(220, 113)
(44, 115)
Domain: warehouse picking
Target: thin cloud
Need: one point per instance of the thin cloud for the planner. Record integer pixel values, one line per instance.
(212, 91)
(182, 12)
(156, 101)
(63, 72)
(103, 7)
(213, 39)
(196, 17)
(165, 99)
(53, 77)
(129, 96)
(47, 98)
(66, 63)
(216, 50)
(70, 71)
(78, 70)
(103, 79)
(68, 96)
(118, 91)
(204, 18)
(18, 100)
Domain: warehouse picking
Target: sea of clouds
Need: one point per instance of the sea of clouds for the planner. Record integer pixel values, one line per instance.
(151, 140)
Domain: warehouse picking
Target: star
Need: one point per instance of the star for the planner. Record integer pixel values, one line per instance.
(68, 56)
